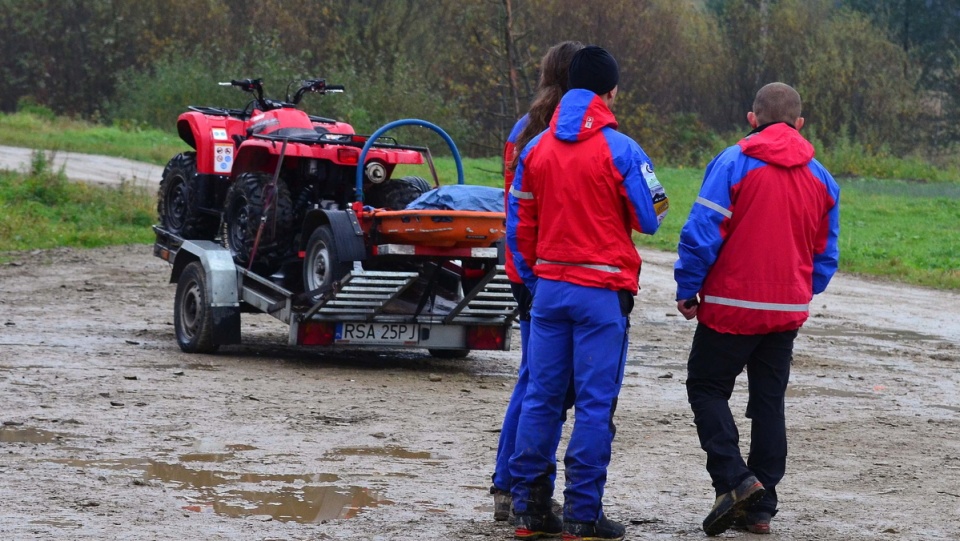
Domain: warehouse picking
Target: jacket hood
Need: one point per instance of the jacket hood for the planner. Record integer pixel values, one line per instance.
(778, 144)
(580, 114)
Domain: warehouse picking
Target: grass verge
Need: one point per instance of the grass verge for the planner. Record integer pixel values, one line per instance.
(899, 230)
(41, 209)
(904, 231)
(32, 131)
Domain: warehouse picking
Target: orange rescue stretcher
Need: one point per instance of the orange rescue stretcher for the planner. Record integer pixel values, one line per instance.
(434, 228)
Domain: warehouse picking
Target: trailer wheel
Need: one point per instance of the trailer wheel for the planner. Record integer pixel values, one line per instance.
(192, 314)
(178, 200)
(396, 194)
(449, 353)
(321, 264)
(249, 199)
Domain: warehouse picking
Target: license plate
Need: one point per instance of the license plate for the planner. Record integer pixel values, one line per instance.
(377, 333)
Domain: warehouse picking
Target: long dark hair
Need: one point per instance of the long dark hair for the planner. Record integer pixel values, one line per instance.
(554, 68)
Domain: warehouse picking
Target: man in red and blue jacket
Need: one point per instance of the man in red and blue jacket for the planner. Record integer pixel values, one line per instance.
(580, 189)
(760, 242)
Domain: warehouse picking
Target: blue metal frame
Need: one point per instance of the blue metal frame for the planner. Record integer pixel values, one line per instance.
(405, 122)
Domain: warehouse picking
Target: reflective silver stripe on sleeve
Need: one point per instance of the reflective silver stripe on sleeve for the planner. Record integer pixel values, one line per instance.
(713, 206)
(601, 268)
(520, 195)
(778, 307)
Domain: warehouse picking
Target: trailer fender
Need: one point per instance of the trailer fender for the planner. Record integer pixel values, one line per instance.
(223, 286)
(346, 232)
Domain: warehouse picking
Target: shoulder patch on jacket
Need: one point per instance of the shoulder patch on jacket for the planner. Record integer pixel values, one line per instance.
(660, 201)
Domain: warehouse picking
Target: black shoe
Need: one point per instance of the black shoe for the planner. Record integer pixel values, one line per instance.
(502, 504)
(733, 503)
(603, 529)
(757, 522)
(537, 526)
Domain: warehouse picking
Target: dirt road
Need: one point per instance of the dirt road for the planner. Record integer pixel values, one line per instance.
(86, 167)
(110, 432)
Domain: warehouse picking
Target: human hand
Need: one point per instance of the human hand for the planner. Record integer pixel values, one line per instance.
(688, 307)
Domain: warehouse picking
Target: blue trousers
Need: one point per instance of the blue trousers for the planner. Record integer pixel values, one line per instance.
(716, 359)
(508, 432)
(578, 332)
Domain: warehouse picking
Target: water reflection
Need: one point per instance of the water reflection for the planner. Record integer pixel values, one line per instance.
(304, 498)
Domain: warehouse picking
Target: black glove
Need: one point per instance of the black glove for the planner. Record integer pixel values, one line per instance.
(626, 302)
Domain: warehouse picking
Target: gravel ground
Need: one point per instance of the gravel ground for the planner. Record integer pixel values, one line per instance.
(111, 432)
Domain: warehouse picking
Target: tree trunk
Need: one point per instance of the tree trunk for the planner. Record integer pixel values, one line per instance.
(511, 56)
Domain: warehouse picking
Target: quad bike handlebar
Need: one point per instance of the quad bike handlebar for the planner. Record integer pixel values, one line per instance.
(255, 87)
(318, 86)
(247, 85)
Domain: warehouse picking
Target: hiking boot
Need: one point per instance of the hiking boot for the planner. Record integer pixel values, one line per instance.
(757, 522)
(603, 529)
(729, 505)
(502, 504)
(754, 522)
(739, 521)
(537, 526)
(556, 506)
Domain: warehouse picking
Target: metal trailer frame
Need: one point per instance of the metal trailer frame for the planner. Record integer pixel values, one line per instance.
(359, 299)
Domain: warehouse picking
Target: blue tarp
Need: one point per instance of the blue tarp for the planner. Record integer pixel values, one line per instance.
(460, 197)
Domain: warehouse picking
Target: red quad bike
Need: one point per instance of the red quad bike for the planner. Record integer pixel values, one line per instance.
(354, 273)
(255, 173)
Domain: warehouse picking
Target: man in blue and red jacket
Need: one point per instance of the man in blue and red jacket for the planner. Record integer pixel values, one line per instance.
(580, 189)
(760, 242)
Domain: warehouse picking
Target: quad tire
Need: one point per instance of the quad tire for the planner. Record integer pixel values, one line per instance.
(250, 199)
(179, 200)
(396, 194)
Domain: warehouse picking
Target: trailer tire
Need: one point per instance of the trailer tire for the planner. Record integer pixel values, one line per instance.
(449, 353)
(321, 264)
(396, 194)
(179, 200)
(247, 201)
(192, 313)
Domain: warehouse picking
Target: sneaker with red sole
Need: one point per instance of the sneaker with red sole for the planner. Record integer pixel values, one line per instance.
(537, 526)
(757, 522)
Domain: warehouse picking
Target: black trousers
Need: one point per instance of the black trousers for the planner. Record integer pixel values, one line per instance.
(716, 359)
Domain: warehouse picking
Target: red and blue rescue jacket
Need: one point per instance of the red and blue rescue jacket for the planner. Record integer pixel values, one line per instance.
(509, 151)
(761, 239)
(580, 189)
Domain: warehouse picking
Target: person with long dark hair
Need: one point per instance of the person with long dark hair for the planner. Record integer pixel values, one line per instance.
(580, 189)
(551, 87)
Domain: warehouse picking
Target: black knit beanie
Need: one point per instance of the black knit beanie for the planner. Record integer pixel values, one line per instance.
(593, 68)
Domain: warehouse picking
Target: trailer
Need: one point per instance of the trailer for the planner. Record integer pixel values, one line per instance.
(427, 309)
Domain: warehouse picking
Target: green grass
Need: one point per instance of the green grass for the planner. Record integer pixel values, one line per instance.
(682, 186)
(900, 230)
(34, 131)
(904, 231)
(847, 159)
(42, 209)
(481, 171)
